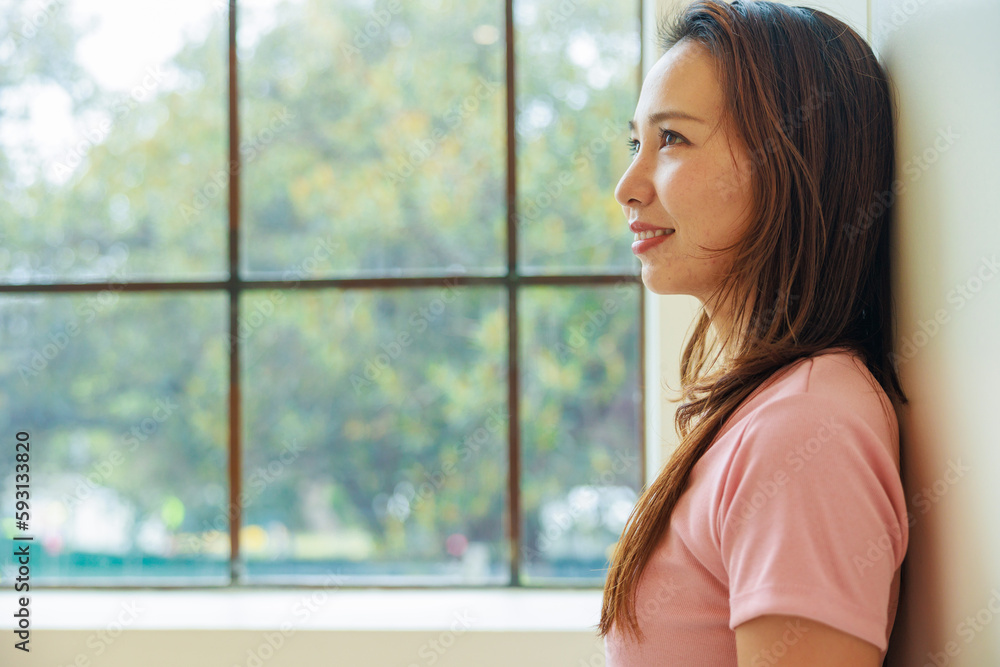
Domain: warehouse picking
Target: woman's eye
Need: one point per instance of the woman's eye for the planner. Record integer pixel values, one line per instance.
(667, 133)
(633, 144)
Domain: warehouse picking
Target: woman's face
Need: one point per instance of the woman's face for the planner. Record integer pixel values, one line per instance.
(688, 175)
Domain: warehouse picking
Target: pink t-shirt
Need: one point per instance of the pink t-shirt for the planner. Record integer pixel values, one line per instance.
(797, 509)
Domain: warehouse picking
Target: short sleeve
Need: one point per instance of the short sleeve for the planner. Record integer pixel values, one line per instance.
(812, 519)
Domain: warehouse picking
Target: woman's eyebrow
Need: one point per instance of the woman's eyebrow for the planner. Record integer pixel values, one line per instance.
(666, 115)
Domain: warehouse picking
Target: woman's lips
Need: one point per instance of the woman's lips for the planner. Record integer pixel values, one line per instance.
(647, 239)
(647, 235)
(641, 226)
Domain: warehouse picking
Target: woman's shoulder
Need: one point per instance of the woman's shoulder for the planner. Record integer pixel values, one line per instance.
(832, 381)
(836, 373)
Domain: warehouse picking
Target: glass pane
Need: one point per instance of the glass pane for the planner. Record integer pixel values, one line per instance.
(124, 399)
(112, 140)
(577, 86)
(580, 410)
(373, 136)
(376, 431)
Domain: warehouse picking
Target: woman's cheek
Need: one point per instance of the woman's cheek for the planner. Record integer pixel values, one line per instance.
(674, 191)
(732, 182)
(691, 204)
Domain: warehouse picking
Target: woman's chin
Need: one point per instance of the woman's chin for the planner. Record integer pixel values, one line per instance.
(657, 285)
(654, 282)
(659, 290)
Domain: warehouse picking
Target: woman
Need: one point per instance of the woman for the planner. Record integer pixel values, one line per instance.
(762, 140)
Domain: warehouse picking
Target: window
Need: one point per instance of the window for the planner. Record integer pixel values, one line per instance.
(319, 320)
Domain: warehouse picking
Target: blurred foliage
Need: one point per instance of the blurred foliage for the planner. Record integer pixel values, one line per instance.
(374, 422)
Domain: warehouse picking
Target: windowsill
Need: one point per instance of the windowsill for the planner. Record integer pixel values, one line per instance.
(319, 609)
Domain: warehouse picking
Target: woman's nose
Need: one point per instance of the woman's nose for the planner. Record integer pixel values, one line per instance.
(635, 187)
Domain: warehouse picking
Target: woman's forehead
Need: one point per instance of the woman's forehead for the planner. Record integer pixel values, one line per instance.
(683, 79)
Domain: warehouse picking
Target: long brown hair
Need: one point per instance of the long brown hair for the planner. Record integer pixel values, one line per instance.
(813, 107)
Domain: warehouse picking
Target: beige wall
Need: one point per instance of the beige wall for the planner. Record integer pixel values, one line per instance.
(944, 56)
